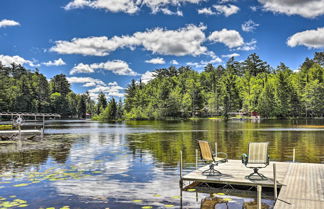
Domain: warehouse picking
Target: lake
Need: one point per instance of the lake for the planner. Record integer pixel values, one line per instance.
(135, 164)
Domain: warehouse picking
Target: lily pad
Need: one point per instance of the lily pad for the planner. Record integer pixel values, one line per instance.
(168, 206)
(21, 185)
(137, 200)
(147, 207)
(191, 190)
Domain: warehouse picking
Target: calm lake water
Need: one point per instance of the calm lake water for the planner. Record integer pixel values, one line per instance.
(134, 164)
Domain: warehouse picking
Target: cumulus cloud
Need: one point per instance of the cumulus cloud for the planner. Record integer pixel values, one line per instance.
(158, 60)
(126, 6)
(8, 60)
(249, 26)
(184, 41)
(254, 8)
(206, 11)
(57, 62)
(167, 11)
(118, 67)
(8, 23)
(131, 6)
(230, 38)
(227, 10)
(111, 90)
(203, 63)
(308, 38)
(304, 8)
(147, 76)
(174, 62)
(248, 46)
(230, 55)
(88, 81)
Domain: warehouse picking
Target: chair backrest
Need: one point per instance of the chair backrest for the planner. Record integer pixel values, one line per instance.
(205, 151)
(258, 152)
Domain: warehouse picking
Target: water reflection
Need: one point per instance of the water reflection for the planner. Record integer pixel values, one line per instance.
(135, 164)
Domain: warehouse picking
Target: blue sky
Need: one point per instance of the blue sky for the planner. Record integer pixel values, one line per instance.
(101, 45)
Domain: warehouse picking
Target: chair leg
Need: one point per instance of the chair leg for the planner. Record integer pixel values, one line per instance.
(212, 171)
(256, 173)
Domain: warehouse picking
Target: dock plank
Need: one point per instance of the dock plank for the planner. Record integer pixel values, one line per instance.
(305, 187)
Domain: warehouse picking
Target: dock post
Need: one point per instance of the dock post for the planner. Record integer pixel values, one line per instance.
(259, 190)
(216, 149)
(275, 181)
(196, 159)
(180, 164)
(42, 133)
(43, 122)
(294, 155)
(19, 128)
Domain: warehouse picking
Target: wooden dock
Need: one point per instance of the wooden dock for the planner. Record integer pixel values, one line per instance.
(302, 184)
(17, 131)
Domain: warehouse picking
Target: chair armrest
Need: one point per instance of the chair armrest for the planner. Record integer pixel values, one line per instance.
(244, 159)
(224, 155)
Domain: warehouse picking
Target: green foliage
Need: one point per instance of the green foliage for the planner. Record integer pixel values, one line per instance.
(248, 86)
(112, 112)
(29, 91)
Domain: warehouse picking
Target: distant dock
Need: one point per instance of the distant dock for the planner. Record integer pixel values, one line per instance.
(17, 131)
(301, 184)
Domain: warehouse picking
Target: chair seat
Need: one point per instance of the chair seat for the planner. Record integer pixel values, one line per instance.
(217, 159)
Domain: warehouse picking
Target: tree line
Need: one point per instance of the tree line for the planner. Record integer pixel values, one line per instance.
(24, 90)
(248, 86)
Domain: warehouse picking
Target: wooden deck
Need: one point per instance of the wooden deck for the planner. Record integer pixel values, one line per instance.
(302, 184)
(16, 131)
(305, 187)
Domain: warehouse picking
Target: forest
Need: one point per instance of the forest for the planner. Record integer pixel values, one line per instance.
(177, 93)
(248, 86)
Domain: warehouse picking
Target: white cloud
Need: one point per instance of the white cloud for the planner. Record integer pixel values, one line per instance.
(230, 38)
(249, 26)
(131, 6)
(158, 60)
(230, 55)
(227, 10)
(126, 6)
(88, 81)
(82, 68)
(184, 41)
(203, 63)
(206, 11)
(111, 90)
(147, 76)
(226, 1)
(8, 60)
(308, 38)
(248, 46)
(8, 23)
(57, 62)
(174, 62)
(253, 8)
(304, 8)
(167, 11)
(118, 67)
